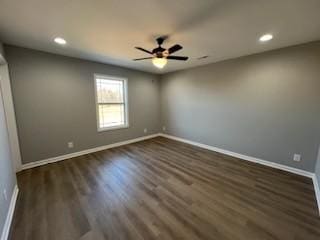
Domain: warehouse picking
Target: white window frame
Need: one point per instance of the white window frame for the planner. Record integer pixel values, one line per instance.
(126, 103)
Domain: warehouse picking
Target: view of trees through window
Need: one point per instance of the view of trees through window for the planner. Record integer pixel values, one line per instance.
(111, 102)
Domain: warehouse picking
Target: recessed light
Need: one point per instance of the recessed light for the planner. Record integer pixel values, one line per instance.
(60, 41)
(266, 37)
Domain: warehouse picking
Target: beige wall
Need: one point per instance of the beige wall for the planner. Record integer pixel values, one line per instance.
(54, 100)
(264, 105)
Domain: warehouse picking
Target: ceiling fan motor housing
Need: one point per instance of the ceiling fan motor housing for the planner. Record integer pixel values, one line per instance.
(160, 52)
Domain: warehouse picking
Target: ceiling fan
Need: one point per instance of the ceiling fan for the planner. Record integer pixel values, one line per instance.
(161, 55)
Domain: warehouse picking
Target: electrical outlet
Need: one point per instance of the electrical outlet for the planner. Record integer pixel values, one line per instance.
(164, 128)
(145, 130)
(297, 157)
(70, 144)
(5, 194)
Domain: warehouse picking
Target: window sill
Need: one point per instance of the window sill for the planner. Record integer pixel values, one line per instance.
(112, 128)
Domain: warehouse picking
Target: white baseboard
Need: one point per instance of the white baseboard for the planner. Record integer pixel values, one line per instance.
(255, 160)
(316, 190)
(244, 157)
(7, 224)
(87, 151)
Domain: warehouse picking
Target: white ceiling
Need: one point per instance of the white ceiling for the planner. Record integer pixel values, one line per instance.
(108, 30)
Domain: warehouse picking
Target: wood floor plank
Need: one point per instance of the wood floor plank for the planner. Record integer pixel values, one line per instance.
(163, 189)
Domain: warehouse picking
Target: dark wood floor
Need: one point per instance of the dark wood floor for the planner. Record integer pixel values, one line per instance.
(162, 189)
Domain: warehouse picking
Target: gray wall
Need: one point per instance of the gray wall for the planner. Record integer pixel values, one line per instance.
(10, 116)
(264, 105)
(7, 176)
(318, 167)
(55, 103)
(2, 60)
(1, 49)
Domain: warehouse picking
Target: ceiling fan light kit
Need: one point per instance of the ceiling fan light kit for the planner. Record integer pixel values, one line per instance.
(159, 62)
(161, 55)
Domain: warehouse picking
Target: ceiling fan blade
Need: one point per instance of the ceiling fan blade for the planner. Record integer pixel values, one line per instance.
(138, 59)
(178, 58)
(174, 48)
(144, 50)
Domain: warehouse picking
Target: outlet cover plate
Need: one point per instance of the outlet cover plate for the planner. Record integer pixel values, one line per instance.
(297, 157)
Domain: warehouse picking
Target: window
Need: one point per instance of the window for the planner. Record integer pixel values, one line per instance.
(111, 101)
